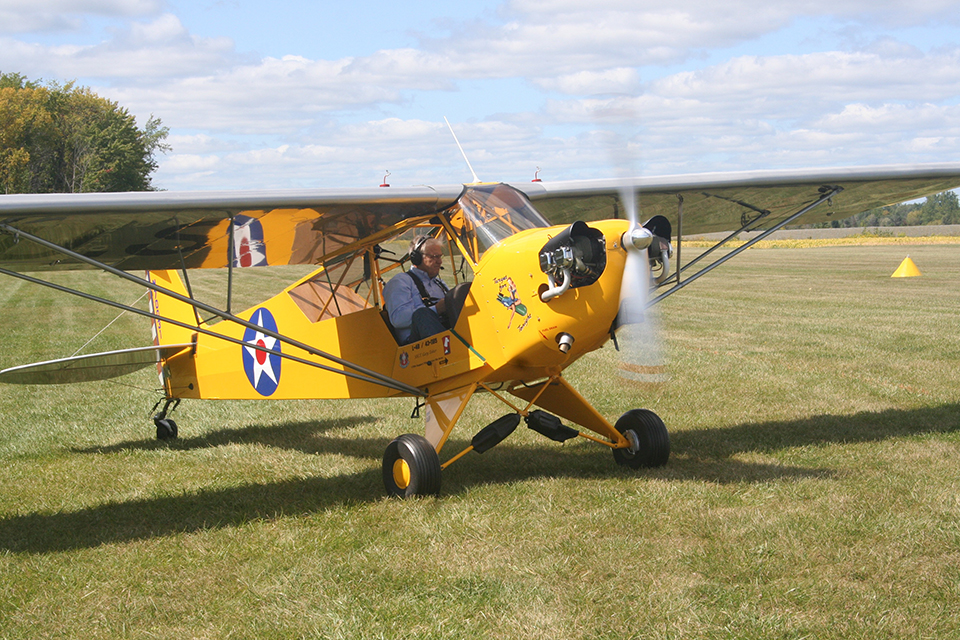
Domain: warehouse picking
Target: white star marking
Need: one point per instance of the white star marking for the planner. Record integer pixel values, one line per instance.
(261, 359)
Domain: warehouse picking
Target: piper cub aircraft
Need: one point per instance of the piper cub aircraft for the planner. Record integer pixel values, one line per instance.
(540, 274)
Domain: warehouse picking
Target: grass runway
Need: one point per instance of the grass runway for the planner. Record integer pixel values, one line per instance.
(813, 488)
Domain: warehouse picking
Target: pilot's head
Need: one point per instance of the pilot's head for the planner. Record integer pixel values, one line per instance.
(427, 254)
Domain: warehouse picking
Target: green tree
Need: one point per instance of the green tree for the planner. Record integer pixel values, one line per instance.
(27, 138)
(60, 138)
(941, 208)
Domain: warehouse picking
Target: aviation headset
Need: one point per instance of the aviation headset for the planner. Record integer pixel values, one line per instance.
(416, 253)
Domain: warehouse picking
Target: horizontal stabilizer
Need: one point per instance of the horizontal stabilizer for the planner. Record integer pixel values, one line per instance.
(95, 366)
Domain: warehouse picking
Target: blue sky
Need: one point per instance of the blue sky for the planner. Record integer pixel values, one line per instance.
(313, 94)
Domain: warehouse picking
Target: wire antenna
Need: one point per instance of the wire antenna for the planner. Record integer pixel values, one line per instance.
(476, 180)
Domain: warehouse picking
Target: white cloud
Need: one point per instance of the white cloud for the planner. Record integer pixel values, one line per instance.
(23, 16)
(191, 163)
(143, 52)
(799, 87)
(746, 12)
(618, 80)
(532, 76)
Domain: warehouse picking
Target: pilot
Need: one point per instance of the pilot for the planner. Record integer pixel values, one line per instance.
(415, 299)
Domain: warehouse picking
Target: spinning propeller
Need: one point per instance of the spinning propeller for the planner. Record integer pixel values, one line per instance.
(641, 355)
(637, 328)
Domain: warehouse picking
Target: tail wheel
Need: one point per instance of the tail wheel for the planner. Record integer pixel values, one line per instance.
(166, 428)
(411, 467)
(649, 440)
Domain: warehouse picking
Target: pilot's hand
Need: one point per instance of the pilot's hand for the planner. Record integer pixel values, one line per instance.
(441, 305)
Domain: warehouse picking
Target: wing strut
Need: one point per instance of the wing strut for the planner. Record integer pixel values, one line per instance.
(367, 374)
(828, 192)
(231, 253)
(679, 233)
(747, 225)
(186, 276)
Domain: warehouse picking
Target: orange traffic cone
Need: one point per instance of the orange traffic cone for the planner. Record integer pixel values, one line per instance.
(906, 269)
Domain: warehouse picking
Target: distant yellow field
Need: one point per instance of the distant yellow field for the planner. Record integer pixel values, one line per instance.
(862, 240)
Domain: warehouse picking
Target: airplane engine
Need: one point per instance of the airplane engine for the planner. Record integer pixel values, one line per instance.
(660, 250)
(576, 257)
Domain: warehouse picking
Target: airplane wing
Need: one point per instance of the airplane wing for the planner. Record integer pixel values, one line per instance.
(166, 230)
(713, 202)
(163, 230)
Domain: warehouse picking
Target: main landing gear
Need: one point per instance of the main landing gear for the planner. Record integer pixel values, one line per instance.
(411, 465)
(648, 437)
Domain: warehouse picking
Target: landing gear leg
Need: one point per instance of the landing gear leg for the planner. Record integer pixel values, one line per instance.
(649, 440)
(166, 427)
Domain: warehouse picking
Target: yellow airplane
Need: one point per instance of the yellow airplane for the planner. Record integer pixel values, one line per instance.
(541, 274)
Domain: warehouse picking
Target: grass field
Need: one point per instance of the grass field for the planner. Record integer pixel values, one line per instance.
(813, 489)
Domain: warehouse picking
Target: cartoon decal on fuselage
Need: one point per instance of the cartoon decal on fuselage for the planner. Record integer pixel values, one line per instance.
(509, 298)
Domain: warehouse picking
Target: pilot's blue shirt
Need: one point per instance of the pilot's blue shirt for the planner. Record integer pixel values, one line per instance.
(402, 299)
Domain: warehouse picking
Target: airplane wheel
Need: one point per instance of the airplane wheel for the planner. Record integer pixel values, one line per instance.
(411, 467)
(646, 430)
(166, 428)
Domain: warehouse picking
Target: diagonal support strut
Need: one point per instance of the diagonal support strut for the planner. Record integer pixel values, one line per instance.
(369, 375)
(828, 193)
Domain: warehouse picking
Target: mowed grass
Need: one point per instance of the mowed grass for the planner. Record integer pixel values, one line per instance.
(813, 489)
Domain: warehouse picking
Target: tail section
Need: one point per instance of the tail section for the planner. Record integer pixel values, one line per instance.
(177, 372)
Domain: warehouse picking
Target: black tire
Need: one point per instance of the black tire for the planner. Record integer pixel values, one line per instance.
(411, 467)
(651, 435)
(166, 428)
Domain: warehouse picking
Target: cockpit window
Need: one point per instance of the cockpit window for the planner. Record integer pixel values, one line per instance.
(490, 213)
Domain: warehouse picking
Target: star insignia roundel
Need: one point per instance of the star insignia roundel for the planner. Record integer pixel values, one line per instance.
(262, 368)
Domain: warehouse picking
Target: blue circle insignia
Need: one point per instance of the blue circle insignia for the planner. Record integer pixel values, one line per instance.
(262, 368)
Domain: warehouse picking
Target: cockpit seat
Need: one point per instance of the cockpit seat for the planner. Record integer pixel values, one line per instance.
(454, 299)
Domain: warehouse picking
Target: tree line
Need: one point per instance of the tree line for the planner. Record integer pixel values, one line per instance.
(61, 138)
(942, 208)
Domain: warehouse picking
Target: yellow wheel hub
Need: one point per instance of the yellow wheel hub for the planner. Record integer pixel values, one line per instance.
(401, 474)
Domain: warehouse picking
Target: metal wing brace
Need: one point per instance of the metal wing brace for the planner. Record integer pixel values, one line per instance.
(350, 370)
(826, 193)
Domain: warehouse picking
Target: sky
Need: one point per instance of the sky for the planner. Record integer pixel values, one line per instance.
(298, 94)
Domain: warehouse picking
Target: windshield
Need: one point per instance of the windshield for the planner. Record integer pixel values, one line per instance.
(490, 213)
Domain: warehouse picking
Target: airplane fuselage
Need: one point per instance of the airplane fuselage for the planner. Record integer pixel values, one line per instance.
(507, 330)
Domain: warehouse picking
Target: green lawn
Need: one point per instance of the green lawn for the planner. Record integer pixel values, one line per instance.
(813, 489)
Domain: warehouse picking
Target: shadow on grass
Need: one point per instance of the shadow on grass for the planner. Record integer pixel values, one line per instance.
(701, 455)
(767, 437)
(298, 436)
